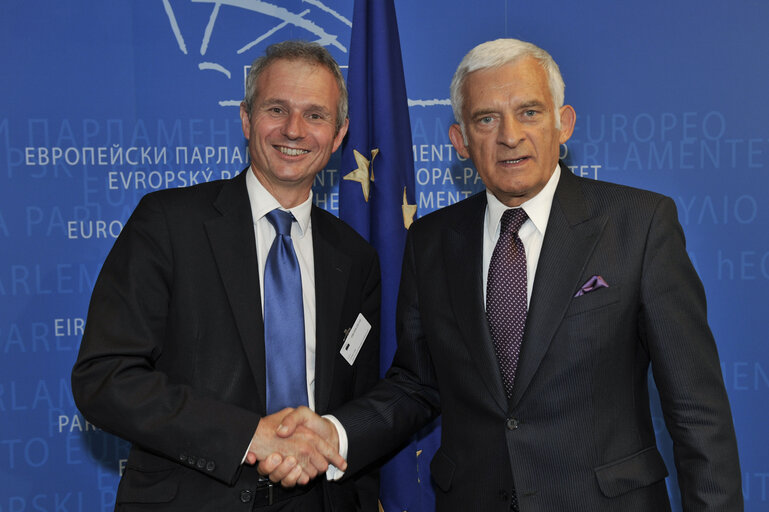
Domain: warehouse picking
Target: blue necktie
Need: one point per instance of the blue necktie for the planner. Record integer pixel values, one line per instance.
(283, 320)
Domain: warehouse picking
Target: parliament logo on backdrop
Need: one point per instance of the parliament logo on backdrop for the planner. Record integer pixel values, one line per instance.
(236, 29)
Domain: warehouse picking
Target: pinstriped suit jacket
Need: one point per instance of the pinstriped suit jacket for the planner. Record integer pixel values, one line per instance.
(577, 434)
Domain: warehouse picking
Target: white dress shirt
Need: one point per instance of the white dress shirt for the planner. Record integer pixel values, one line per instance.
(532, 232)
(262, 203)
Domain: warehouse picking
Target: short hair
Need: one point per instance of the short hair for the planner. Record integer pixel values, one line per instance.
(312, 53)
(498, 53)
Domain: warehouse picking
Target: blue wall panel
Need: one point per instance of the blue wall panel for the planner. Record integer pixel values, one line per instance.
(103, 102)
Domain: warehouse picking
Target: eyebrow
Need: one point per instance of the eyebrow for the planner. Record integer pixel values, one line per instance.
(273, 101)
(522, 106)
(313, 107)
(484, 112)
(319, 108)
(532, 103)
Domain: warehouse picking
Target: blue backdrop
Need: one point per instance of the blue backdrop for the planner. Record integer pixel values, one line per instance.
(104, 101)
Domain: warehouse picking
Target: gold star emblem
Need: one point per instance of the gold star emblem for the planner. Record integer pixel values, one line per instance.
(361, 174)
(409, 210)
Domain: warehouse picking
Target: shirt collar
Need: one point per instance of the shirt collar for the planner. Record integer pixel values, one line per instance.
(537, 208)
(262, 202)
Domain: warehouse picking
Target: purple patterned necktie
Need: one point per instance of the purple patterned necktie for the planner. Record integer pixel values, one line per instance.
(506, 295)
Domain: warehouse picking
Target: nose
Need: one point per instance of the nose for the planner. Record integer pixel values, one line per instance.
(294, 127)
(511, 132)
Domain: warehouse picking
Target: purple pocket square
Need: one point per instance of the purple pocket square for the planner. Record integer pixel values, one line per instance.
(593, 283)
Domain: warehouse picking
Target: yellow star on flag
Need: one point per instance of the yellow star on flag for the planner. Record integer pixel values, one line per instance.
(361, 174)
(409, 210)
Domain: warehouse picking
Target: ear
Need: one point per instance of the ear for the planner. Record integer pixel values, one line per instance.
(458, 140)
(568, 118)
(245, 121)
(340, 134)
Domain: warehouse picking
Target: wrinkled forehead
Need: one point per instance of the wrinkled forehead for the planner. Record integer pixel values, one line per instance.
(523, 80)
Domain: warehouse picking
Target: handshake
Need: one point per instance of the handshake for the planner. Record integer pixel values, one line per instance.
(293, 446)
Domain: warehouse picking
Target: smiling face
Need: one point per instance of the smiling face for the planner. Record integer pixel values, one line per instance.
(291, 127)
(511, 130)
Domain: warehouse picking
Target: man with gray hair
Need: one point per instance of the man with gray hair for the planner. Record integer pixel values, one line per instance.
(223, 304)
(529, 316)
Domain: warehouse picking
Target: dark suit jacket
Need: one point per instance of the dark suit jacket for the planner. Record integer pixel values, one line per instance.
(577, 434)
(172, 358)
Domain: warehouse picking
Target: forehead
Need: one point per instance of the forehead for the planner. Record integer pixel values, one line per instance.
(297, 80)
(521, 81)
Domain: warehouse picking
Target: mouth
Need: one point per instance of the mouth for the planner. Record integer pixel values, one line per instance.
(291, 151)
(514, 161)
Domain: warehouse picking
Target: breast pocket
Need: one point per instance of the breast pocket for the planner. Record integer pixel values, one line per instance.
(594, 300)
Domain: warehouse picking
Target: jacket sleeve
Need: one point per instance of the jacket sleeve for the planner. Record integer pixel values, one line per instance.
(121, 380)
(407, 398)
(686, 370)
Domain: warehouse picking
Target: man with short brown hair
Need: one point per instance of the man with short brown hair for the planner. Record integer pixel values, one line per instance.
(224, 303)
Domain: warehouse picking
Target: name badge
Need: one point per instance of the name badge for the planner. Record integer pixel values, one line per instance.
(355, 338)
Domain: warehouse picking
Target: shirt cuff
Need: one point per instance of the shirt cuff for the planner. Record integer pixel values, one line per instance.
(333, 473)
(246, 454)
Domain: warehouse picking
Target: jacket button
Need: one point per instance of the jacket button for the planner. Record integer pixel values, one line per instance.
(245, 496)
(201, 463)
(183, 457)
(192, 460)
(511, 423)
(210, 465)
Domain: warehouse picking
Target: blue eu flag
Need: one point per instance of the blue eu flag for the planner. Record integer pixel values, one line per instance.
(376, 197)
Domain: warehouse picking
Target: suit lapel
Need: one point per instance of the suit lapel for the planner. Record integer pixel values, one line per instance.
(332, 270)
(569, 241)
(234, 246)
(463, 256)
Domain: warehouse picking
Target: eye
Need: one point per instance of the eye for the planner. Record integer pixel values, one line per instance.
(486, 119)
(317, 116)
(530, 113)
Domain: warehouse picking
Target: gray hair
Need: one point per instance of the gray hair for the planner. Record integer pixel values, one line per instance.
(497, 53)
(312, 53)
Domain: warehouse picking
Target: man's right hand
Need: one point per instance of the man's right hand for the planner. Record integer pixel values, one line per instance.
(297, 456)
